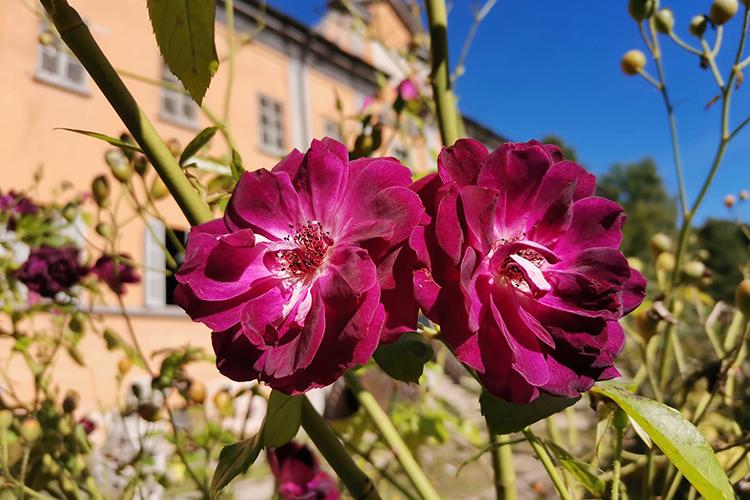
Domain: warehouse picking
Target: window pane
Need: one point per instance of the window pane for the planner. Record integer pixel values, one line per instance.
(49, 60)
(169, 104)
(75, 72)
(188, 110)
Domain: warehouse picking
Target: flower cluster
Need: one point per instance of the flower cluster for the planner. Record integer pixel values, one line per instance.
(115, 271)
(51, 270)
(299, 475)
(318, 261)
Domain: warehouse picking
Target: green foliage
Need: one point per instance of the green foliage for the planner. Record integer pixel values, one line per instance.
(680, 441)
(283, 418)
(404, 359)
(103, 137)
(234, 460)
(505, 418)
(583, 472)
(639, 188)
(198, 143)
(184, 30)
(728, 253)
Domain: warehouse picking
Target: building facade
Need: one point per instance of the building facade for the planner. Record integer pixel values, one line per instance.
(292, 83)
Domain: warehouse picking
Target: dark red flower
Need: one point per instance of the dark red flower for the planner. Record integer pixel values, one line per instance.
(115, 272)
(51, 270)
(298, 474)
(521, 268)
(17, 203)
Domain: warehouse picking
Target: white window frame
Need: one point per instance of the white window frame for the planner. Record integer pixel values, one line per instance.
(180, 100)
(271, 128)
(155, 262)
(63, 61)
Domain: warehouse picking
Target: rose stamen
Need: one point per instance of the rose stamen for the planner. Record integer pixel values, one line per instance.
(311, 245)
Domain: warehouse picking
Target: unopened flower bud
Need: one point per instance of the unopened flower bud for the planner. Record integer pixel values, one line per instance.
(158, 189)
(100, 190)
(6, 419)
(30, 430)
(642, 9)
(635, 263)
(124, 365)
(744, 194)
(119, 165)
(222, 400)
(659, 243)
(77, 322)
(104, 230)
(70, 212)
(646, 323)
(46, 38)
(140, 164)
(698, 25)
(70, 402)
(148, 412)
(633, 62)
(63, 427)
(125, 137)
(665, 262)
(742, 297)
(730, 200)
(620, 419)
(197, 392)
(664, 21)
(694, 270)
(723, 10)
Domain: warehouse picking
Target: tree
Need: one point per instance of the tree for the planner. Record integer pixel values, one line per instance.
(641, 192)
(727, 248)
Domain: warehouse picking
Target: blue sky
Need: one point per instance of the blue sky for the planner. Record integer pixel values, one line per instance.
(546, 67)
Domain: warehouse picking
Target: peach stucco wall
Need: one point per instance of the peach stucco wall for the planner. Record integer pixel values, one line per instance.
(32, 110)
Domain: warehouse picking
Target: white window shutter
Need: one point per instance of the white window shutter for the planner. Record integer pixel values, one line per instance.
(154, 280)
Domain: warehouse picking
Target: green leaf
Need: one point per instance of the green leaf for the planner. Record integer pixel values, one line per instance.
(237, 168)
(404, 359)
(102, 137)
(283, 419)
(184, 30)
(235, 459)
(198, 143)
(679, 439)
(505, 418)
(582, 471)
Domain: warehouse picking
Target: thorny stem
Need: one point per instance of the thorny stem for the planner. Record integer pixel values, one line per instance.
(390, 435)
(76, 35)
(365, 455)
(502, 467)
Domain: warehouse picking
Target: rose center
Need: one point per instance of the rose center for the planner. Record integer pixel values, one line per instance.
(519, 262)
(310, 244)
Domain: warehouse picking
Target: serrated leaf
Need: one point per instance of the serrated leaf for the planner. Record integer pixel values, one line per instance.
(505, 418)
(404, 359)
(235, 459)
(184, 31)
(106, 138)
(283, 419)
(580, 469)
(198, 143)
(676, 437)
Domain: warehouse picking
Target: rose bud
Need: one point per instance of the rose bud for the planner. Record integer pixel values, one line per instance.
(30, 430)
(742, 297)
(730, 200)
(70, 403)
(100, 190)
(744, 194)
(158, 189)
(128, 139)
(119, 165)
(633, 62)
(140, 164)
(659, 243)
(197, 392)
(664, 21)
(665, 262)
(77, 322)
(124, 365)
(642, 9)
(6, 419)
(698, 25)
(694, 270)
(104, 230)
(70, 212)
(722, 11)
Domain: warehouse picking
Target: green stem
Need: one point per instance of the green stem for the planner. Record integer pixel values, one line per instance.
(445, 101)
(390, 435)
(365, 455)
(502, 466)
(229, 9)
(76, 35)
(617, 464)
(359, 485)
(541, 453)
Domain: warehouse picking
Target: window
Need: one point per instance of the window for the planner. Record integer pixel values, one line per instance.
(400, 152)
(331, 129)
(56, 65)
(176, 105)
(271, 124)
(159, 286)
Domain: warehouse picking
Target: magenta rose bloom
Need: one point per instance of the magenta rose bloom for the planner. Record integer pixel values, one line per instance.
(115, 272)
(17, 203)
(51, 270)
(298, 474)
(407, 90)
(521, 268)
(306, 273)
